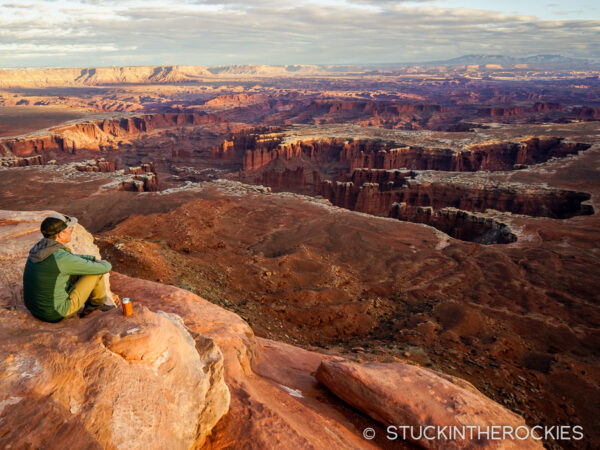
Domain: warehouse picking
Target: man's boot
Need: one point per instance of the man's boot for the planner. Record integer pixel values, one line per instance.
(89, 308)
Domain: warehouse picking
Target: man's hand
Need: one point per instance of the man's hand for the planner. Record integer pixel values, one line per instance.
(96, 259)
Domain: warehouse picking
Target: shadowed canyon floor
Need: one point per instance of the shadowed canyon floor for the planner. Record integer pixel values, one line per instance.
(458, 232)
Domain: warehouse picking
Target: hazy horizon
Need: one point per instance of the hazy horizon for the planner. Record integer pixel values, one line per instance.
(375, 65)
(91, 33)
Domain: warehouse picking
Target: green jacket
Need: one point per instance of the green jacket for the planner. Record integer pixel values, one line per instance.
(46, 284)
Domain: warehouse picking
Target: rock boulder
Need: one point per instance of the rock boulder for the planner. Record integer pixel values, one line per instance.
(400, 394)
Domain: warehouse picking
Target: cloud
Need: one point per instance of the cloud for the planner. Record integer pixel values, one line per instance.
(214, 32)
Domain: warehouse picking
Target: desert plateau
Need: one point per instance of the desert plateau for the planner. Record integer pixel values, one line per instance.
(310, 250)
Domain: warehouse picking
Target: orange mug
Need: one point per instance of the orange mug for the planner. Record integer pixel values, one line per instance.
(127, 307)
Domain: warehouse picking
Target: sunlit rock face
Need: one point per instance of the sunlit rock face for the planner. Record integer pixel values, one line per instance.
(401, 394)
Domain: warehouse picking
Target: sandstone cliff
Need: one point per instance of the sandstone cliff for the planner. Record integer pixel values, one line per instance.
(144, 179)
(97, 135)
(97, 165)
(259, 151)
(22, 162)
(378, 198)
(100, 76)
(96, 76)
(157, 379)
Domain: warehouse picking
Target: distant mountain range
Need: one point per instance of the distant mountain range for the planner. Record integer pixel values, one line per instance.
(503, 60)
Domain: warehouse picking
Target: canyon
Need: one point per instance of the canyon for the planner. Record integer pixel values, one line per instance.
(429, 220)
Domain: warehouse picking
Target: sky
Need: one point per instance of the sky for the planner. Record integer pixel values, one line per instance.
(81, 33)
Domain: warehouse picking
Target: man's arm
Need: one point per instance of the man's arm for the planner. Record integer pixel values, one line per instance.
(88, 257)
(76, 265)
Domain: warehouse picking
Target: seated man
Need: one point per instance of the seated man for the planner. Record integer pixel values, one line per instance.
(57, 283)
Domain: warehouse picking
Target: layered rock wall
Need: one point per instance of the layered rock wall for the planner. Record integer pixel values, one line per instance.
(97, 165)
(288, 179)
(94, 76)
(377, 154)
(144, 179)
(386, 179)
(385, 114)
(464, 225)
(99, 135)
(587, 113)
(489, 156)
(237, 146)
(375, 198)
(257, 150)
(36, 160)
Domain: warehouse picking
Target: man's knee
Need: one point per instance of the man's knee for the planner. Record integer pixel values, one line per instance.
(85, 279)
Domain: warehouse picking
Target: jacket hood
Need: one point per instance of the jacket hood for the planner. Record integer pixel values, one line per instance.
(43, 249)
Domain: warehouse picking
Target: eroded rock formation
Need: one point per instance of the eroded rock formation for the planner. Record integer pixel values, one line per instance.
(140, 183)
(519, 321)
(144, 179)
(371, 175)
(377, 198)
(36, 160)
(488, 156)
(260, 150)
(142, 168)
(465, 225)
(274, 383)
(138, 381)
(99, 75)
(98, 135)
(304, 271)
(97, 165)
